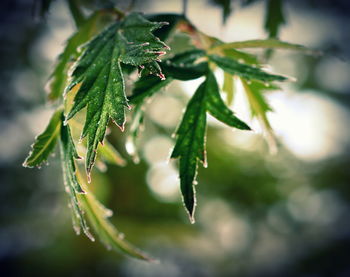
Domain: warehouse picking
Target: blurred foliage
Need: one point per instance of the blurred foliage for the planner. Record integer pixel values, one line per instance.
(259, 215)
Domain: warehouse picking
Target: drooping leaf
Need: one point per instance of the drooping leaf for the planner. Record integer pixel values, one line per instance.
(190, 146)
(190, 142)
(274, 17)
(259, 108)
(130, 41)
(85, 205)
(106, 232)
(246, 71)
(73, 187)
(45, 143)
(58, 79)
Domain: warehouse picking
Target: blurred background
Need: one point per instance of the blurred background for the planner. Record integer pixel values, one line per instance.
(257, 214)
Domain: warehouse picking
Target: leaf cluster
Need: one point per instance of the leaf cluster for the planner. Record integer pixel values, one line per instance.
(89, 80)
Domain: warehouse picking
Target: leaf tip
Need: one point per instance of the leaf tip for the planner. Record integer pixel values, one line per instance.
(161, 76)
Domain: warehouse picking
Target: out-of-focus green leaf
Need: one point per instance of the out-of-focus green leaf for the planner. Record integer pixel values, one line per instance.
(228, 88)
(274, 17)
(107, 233)
(264, 43)
(58, 79)
(135, 126)
(76, 12)
(226, 7)
(45, 143)
(259, 108)
(130, 41)
(109, 154)
(243, 56)
(190, 142)
(244, 70)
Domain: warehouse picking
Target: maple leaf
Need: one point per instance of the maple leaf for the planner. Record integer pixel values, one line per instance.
(99, 70)
(182, 66)
(191, 135)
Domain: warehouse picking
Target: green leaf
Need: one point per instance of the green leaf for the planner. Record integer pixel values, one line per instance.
(146, 87)
(239, 55)
(264, 43)
(190, 146)
(166, 31)
(217, 108)
(228, 88)
(226, 7)
(45, 143)
(244, 70)
(274, 17)
(182, 66)
(76, 12)
(190, 142)
(135, 126)
(69, 154)
(83, 202)
(73, 188)
(102, 90)
(110, 155)
(107, 233)
(259, 108)
(58, 79)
